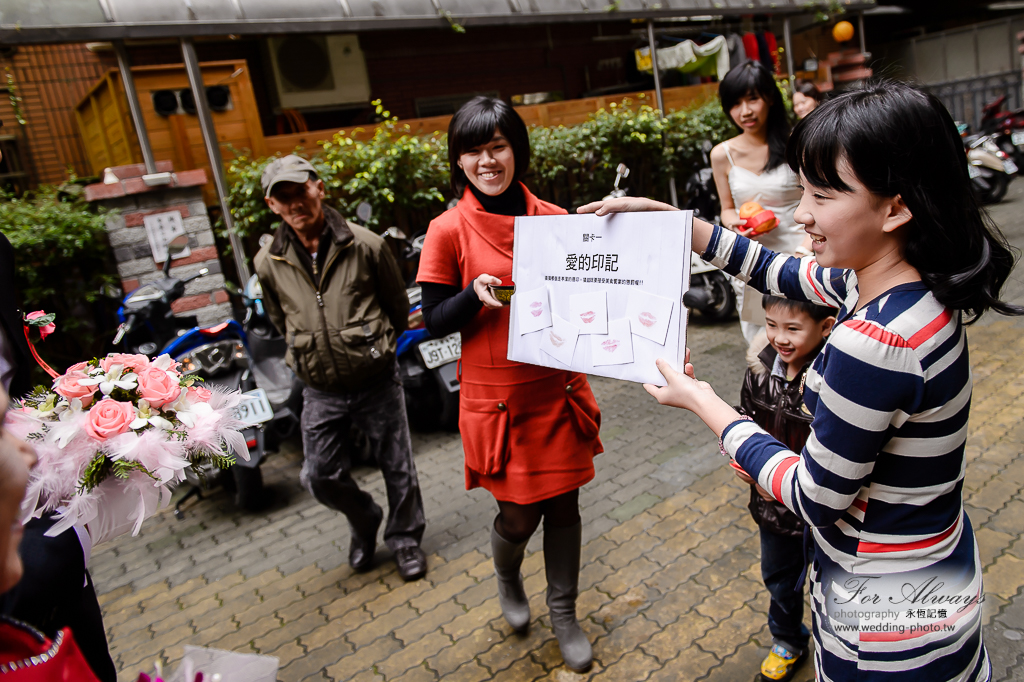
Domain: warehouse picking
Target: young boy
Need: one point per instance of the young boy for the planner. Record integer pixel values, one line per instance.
(773, 398)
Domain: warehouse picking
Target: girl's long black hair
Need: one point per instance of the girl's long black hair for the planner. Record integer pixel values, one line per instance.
(752, 78)
(898, 140)
(474, 125)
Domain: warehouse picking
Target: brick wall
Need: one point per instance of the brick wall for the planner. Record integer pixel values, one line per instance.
(51, 80)
(204, 297)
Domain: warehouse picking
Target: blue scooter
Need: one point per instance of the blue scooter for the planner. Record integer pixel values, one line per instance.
(219, 354)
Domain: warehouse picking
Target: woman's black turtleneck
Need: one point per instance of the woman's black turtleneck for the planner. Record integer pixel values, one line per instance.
(447, 308)
(511, 202)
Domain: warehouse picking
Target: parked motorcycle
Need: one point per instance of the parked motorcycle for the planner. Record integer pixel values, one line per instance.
(989, 167)
(219, 355)
(267, 347)
(710, 292)
(1006, 128)
(428, 366)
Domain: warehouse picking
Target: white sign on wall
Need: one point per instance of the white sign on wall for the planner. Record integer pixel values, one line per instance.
(161, 228)
(601, 295)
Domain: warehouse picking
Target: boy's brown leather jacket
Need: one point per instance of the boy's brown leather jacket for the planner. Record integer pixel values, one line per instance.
(777, 406)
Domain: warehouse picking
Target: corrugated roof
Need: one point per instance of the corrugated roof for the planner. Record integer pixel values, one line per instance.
(48, 21)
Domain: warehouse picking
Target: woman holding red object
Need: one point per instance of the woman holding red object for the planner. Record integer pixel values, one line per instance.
(529, 433)
(751, 167)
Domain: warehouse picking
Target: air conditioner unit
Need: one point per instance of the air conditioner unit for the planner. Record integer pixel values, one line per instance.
(318, 70)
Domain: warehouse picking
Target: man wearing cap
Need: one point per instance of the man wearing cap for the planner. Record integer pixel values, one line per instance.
(335, 291)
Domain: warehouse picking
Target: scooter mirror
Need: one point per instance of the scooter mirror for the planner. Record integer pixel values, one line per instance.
(175, 248)
(177, 245)
(394, 233)
(363, 211)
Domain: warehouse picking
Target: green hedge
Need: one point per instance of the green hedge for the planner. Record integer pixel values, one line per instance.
(405, 177)
(63, 265)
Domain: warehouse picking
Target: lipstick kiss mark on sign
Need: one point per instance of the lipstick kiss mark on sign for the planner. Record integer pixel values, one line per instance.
(536, 308)
(556, 340)
(647, 319)
(610, 345)
(588, 316)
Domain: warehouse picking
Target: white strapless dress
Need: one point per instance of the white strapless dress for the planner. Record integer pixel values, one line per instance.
(777, 190)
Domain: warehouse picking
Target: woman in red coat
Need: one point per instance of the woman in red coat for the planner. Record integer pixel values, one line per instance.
(529, 433)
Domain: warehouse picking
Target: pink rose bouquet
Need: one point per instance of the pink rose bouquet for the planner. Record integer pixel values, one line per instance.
(125, 419)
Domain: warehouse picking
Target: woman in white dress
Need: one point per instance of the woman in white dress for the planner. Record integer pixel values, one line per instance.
(752, 167)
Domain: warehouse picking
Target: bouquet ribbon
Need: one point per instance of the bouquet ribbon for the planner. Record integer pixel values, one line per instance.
(42, 363)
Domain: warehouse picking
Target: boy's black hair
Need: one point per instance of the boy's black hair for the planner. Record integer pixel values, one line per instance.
(815, 312)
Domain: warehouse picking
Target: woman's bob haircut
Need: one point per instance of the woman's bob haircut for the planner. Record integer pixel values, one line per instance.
(474, 124)
(752, 78)
(899, 141)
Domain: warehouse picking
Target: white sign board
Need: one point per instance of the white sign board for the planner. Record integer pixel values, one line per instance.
(161, 228)
(601, 295)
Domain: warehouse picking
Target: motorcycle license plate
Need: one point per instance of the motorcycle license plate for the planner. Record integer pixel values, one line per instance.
(973, 172)
(437, 352)
(1017, 137)
(1010, 167)
(254, 408)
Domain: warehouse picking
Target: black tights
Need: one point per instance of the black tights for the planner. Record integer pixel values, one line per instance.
(517, 522)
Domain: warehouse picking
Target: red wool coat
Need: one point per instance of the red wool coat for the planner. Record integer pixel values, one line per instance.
(529, 433)
(27, 656)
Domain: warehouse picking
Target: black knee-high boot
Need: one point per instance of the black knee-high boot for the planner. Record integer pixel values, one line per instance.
(562, 566)
(508, 558)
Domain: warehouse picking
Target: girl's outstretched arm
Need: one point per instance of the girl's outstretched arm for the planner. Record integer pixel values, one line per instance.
(684, 391)
(764, 270)
(702, 231)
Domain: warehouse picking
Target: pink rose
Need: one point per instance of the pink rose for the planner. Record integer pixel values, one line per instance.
(67, 385)
(79, 367)
(46, 329)
(198, 394)
(108, 418)
(157, 387)
(131, 362)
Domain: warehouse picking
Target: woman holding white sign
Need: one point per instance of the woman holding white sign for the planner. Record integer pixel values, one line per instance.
(529, 433)
(904, 251)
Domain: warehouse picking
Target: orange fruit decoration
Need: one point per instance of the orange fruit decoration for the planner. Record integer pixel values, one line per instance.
(750, 209)
(759, 219)
(842, 31)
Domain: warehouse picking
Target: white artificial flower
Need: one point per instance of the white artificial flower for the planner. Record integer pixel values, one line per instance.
(112, 379)
(145, 415)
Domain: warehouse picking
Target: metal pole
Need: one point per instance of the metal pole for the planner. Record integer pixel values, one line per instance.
(195, 79)
(860, 32)
(133, 106)
(673, 196)
(787, 41)
(654, 65)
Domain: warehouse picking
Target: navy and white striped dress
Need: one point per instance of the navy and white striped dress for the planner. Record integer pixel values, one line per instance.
(880, 479)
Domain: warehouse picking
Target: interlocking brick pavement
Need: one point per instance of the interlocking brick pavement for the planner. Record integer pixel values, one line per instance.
(670, 584)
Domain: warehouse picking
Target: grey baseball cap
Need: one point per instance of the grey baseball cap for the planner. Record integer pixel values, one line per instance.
(290, 168)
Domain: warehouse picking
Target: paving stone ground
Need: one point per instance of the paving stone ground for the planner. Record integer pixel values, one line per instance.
(670, 584)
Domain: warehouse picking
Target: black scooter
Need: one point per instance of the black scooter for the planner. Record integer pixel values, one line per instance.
(710, 292)
(219, 354)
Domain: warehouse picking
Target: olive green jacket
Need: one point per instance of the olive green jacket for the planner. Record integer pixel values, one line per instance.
(341, 330)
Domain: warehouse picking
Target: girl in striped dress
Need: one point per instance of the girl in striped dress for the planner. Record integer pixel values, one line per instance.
(902, 249)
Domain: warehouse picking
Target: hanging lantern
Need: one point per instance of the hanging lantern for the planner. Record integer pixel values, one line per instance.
(842, 31)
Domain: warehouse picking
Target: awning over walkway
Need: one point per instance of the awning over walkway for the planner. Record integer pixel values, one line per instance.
(50, 21)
